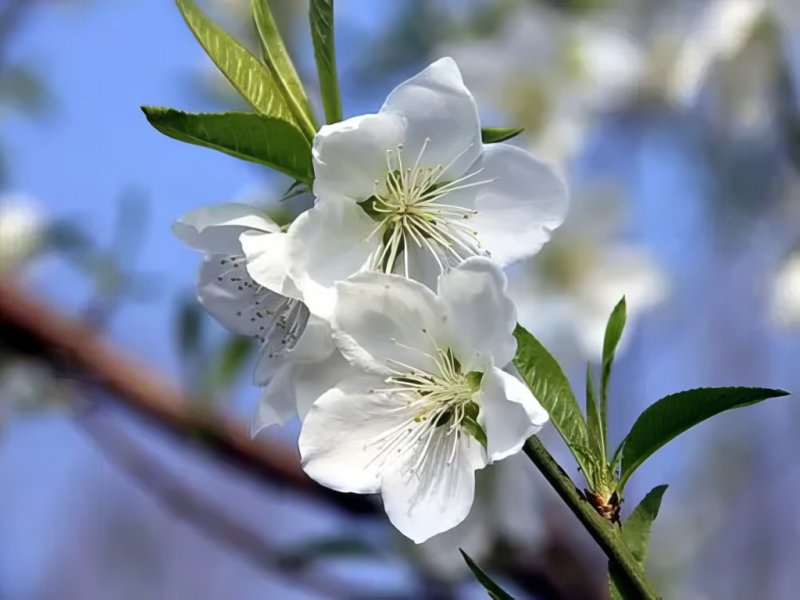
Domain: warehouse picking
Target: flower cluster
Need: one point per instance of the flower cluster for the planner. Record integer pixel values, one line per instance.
(382, 311)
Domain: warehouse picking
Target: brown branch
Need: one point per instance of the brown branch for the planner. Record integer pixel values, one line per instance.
(29, 326)
(186, 503)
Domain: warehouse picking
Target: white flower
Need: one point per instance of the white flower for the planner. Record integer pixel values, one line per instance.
(412, 190)
(566, 295)
(21, 231)
(429, 404)
(721, 30)
(302, 375)
(552, 73)
(298, 360)
(267, 310)
(785, 293)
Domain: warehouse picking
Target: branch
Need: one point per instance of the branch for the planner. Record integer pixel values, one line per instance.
(29, 326)
(603, 532)
(181, 500)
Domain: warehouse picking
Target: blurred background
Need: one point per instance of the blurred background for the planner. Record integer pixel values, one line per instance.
(125, 466)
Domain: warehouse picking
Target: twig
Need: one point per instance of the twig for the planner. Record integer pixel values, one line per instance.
(30, 327)
(188, 504)
(603, 532)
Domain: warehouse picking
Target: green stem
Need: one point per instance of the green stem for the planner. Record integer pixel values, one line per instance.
(604, 533)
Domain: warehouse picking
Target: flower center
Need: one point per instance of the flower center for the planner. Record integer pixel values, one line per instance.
(410, 210)
(272, 319)
(439, 408)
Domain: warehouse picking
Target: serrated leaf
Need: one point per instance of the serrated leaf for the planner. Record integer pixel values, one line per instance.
(245, 72)
(281, 66)
(593, 424)
(543, 375)
(495, 591)
(614, 328)
(249, 136)
(494, 135)
(636, 533)
(672, 415)
(320, 14)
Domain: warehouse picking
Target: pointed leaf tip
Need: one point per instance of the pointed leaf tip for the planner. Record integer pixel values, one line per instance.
(667, 418)
(495, 591)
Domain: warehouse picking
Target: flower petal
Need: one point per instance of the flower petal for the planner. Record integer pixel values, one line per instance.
(481, 316)
(386, 322)
(278, 403)
(230, 296)
(266, 261)
(351, 155)
(217, 228)
(295, 386)
(326, 244)
(312, 380)
(509, 413)
(339, 440)
(522, 204)
(439, 495)
(442, 119)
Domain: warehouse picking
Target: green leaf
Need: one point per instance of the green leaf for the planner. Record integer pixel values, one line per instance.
(190, 324)
(674, 414)
(614, 328)
(493, 135)
(636, 529)
(636, 534)
(306, 554)
(249, 136)
(548, 383)
(245, 72)
(321, 16)
(230, 362)
(495, 591)
(282, 68)
(594, 427)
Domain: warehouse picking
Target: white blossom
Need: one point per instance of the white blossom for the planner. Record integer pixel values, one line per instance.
(298, 359)
(566, 295)
(429, 403)
(412, 190)
(784, 300)
(21, 230)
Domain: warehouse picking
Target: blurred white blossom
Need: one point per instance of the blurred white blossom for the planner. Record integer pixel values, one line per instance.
(22, 231)
(566, 295)
(785, 293)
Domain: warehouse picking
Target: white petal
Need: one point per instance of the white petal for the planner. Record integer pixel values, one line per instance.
(509, 413)
(278, 403)
(326, 244)
(217, 228)
(438, 107)
(422, 266)
(338, 442)
(521, 206)
(266, 261)
(316, 344)
(312, 380)
(481, 316)
(351, 155)
(384, 322)
(230, 296)
(440, 495)
(295, 386)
